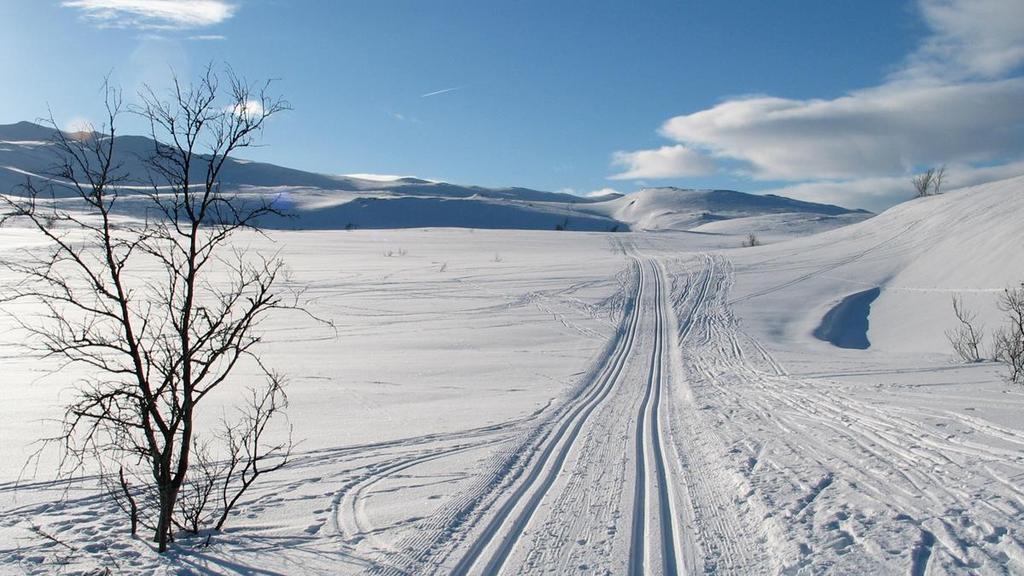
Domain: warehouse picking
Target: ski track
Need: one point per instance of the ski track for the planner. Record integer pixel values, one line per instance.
(686, 448)
(579, 508)
(562, 491)
(849, 483)
(505, 527)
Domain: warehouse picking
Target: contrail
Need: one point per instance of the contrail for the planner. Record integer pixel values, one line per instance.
(436, 92)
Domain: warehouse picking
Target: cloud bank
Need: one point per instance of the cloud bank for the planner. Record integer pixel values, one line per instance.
(665, 162)
(154, 14)
(955, 100)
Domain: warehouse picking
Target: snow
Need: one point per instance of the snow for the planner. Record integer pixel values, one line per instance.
(533, 401)
(324, 202)
(683, 209)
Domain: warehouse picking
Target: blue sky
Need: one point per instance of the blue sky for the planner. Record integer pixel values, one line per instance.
(833, 101)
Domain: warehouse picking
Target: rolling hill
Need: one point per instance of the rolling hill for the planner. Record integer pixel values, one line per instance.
(324, 201)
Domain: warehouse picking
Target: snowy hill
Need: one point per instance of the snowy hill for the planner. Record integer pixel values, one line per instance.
(323, 201)
(918, 254)
(682, 209)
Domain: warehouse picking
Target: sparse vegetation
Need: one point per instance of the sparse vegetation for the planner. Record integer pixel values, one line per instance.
(158, 311)
(1009, 339)
(929, 182)
(751, 241)
(967, 336)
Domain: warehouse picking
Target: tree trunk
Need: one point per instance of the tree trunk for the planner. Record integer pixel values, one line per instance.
(164, 525)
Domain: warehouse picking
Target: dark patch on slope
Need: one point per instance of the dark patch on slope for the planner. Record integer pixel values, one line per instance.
(846, 324)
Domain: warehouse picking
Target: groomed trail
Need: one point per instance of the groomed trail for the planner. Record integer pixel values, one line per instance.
(684, 446)
(588, 485)
(688, 448)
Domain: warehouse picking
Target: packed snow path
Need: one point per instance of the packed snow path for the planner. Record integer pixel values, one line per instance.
(690, 449)
(599, 490)
(686, 447)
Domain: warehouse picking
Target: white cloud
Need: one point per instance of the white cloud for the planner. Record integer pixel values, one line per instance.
(956, 99)
(884, 130)
(969, 39)
(601, 192)
(248, 109)
(154, 14)
(665, 162)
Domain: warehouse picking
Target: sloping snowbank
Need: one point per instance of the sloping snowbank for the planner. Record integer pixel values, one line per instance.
(920, 253)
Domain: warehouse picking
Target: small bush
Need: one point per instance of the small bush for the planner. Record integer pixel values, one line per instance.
(1009, 340)
(967, 336)
(928, 182)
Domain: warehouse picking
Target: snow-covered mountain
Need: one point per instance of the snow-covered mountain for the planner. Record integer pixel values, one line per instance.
(323, 201)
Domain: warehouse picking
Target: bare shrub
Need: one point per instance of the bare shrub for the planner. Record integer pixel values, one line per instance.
(1009, 339)
(967, 336)
(937, 179)
(250, 455)
(751, 241)
(929, 182)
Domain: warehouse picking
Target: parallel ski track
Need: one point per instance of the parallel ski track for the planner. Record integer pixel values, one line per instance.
(649, 442)
(506, 526)
(849, 449)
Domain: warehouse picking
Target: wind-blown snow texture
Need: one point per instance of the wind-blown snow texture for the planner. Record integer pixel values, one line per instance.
(508, 401)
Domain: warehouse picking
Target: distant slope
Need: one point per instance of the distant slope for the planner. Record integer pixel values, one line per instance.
(319, 201)
(920, 254)
(683, 209)
(770, 228)
(416, 211)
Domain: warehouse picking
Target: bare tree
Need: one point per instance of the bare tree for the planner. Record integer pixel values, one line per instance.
(923, 182)
(937, 179)
(967, 336)
(1009, 340)
(160, 309)
(928, 182)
